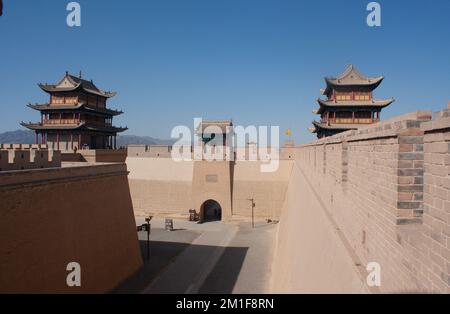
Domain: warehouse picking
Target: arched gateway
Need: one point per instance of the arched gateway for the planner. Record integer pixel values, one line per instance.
(210, 211)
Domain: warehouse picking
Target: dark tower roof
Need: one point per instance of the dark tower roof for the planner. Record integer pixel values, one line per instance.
(80, 126)
(70, 83)
(375, 103)
(351, 78)
(76, 107)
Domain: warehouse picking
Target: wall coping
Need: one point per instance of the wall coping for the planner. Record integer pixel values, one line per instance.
(440, 122)
(384, 129)
(10, 179)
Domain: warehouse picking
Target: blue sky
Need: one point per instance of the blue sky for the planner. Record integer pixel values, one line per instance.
(259, 62)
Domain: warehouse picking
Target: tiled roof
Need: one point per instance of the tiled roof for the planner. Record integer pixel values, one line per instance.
(382, 103)
(79, 106)
(351, 77)
(72, 83)
(81, 126)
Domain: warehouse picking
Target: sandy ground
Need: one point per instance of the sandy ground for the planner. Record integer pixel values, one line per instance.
(213, 257)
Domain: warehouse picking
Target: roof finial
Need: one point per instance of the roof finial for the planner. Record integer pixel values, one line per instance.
(67, 73)
(80, 74)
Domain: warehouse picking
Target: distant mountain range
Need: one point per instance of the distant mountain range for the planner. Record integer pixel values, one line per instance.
(29, 137)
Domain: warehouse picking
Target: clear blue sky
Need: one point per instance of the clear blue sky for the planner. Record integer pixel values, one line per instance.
(259, 62)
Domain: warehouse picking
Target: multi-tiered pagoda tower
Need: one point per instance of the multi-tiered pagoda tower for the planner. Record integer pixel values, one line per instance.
(349, 103)
(76, 116)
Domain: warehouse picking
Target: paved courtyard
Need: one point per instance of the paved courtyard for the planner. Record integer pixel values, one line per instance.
(213, 257)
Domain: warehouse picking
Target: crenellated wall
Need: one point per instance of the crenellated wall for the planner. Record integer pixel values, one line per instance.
(163, 151)
(26, 156)
(379, 194)
(250, 152)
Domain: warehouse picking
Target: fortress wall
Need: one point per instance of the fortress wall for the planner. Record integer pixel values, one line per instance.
(162, 198)
(164, 187)
(153, 151)
(103, 155)
(160, 185)
(267, 189)
(242, 153)
(389, 205)
(51, 217)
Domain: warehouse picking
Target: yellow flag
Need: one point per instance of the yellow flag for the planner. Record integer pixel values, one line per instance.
(288, 132)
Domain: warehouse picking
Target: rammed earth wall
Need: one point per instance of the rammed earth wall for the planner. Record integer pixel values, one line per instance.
(52, 217)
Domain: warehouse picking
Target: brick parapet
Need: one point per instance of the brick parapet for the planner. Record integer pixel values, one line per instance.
(399, 143)
(436, 199)
(393, 201)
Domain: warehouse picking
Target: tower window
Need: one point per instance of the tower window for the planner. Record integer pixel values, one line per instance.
(362, 96)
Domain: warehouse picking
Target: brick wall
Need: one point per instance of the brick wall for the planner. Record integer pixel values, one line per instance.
(436, 200)
(387, 188)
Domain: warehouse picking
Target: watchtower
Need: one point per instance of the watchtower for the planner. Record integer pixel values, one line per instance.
(212, 185)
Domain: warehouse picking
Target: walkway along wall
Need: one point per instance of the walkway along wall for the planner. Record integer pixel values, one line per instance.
(52, 217)
(379, 194)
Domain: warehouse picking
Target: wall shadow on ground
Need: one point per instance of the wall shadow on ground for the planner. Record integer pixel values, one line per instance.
(222, 278)
(161, 254)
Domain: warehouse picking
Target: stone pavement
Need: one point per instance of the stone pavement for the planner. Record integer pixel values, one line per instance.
(250, 251)
(213, 257)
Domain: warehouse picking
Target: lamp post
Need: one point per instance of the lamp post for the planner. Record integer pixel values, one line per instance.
(253, 211)
(147, 220)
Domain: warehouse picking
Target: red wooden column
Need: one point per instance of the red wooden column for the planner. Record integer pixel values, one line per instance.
(37, 137)
(79, 141)
(71, 140)
(57, 140)
(353, 117)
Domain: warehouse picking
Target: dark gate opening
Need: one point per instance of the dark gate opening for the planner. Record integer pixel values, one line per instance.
(211, 211)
